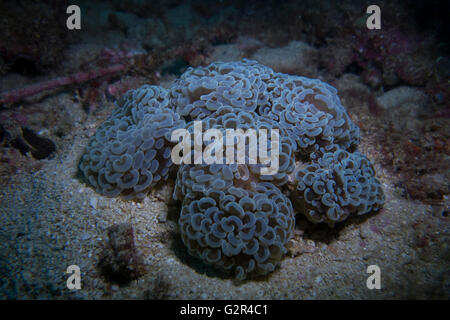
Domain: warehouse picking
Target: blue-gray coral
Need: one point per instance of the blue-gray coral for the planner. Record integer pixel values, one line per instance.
(232, 216)
(130, 151)
(233, 222)
(201, 91)
(227, 117)
(337, 185)
(311, 111)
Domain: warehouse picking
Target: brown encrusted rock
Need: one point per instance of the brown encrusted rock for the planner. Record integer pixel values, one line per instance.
(119, 260)
(414, 69)
(335, 57)
(296, 58)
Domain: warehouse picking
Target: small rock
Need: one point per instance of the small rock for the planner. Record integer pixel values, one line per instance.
(364, 231)
(85, 236)
(400, 96)
(162, 217)
(93, 202)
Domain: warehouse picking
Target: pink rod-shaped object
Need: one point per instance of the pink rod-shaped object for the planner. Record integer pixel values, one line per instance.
(19, 94)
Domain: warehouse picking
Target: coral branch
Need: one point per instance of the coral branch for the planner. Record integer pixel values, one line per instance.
(19, 94)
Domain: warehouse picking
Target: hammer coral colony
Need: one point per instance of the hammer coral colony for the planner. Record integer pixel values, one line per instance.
(233, 216)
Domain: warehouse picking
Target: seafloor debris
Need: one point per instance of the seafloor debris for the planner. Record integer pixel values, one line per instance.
(119, 261)
(159, 289)
(18, 94)
(233, 216)
(39, 147)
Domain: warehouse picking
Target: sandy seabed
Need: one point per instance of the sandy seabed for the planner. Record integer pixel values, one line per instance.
(51, 219)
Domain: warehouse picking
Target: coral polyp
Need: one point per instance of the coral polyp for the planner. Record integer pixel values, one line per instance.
(130, 152)
(232, 222)
(338, 184)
